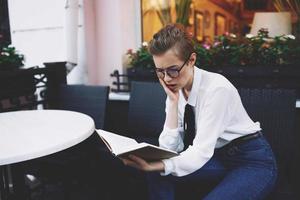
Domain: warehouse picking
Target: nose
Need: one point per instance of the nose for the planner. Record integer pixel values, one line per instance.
(167, 77)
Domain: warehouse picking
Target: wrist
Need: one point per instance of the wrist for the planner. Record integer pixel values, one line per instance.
(173, 103)
(158, 166)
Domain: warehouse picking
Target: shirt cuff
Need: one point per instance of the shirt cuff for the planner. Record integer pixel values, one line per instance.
(173, 131)
(168, 167)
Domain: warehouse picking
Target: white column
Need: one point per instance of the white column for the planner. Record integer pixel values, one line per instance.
(71, 30)
(75, 42)
(113, 27)
(90, 39)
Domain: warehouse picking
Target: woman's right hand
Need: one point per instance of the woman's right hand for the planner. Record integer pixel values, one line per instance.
(173, 95)
(172, 114)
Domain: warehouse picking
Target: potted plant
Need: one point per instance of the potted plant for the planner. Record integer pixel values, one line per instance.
(262, 50)
(140, 64)
(252, 61)
(10, 59)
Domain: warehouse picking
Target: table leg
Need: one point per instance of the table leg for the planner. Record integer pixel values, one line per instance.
(4, 183)
(18, 180)
(2, 187)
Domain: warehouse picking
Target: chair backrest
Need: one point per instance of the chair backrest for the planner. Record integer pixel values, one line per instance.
(146, 112)
(275, 110)
(90, 100)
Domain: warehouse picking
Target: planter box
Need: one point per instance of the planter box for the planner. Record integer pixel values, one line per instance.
(9, 67)
(246, 76)
(142, 74)
(17, 90)
(261, 76)
(16, 82)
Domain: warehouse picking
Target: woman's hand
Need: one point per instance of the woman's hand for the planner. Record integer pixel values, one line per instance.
(172, 115)
(143, 165)
(173, 95)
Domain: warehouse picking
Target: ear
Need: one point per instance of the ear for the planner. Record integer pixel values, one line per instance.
(193, 58)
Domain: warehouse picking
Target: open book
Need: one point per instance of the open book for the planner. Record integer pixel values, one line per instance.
(122, 146)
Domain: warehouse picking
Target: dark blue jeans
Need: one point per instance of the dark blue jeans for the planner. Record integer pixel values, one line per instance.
(240, 172)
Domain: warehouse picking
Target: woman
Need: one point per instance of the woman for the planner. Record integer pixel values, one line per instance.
(217, 139)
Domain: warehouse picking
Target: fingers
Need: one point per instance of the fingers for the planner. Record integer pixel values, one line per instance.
(130, 163)
(169, 92)
(164, 85)
(138, 160)
(131, 160)
(125, 161)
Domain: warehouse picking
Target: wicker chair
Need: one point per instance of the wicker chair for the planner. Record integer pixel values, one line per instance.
(146, 113)
(275, 110)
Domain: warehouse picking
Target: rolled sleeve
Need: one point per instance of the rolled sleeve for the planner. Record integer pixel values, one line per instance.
(168, 167)
(172, 132)
(171, 139)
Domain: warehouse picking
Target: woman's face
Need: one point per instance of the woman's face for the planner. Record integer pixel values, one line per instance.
(168, 65)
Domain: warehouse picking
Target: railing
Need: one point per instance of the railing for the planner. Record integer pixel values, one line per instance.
(122, 82)
(31, 88)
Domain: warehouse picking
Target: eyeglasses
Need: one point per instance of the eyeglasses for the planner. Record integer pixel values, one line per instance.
(171, 71)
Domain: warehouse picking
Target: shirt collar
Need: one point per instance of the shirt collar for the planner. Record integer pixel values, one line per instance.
(195, 87)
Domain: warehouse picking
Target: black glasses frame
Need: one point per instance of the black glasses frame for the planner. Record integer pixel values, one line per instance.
(173, 73)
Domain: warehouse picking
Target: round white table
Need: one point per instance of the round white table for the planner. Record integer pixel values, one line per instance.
(25, 135)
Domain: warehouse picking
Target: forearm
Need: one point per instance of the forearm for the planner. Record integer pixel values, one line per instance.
(172, 115)
(171, 137)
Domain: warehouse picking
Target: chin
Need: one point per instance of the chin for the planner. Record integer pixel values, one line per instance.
(175, 89)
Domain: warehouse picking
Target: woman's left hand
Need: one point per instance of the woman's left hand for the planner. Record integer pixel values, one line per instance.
(141, 164)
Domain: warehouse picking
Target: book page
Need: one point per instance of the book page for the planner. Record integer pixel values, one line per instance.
(116, 143)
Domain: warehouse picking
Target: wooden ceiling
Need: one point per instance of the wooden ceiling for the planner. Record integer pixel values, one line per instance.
(249, 7)
(245, 9)
(257, 4)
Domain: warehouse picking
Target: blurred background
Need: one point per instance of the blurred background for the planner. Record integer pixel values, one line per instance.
(95, 35)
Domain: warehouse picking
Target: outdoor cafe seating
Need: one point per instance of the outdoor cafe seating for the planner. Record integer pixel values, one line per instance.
(274, 108)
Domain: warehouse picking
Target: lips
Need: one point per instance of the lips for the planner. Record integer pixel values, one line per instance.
(171, 86)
